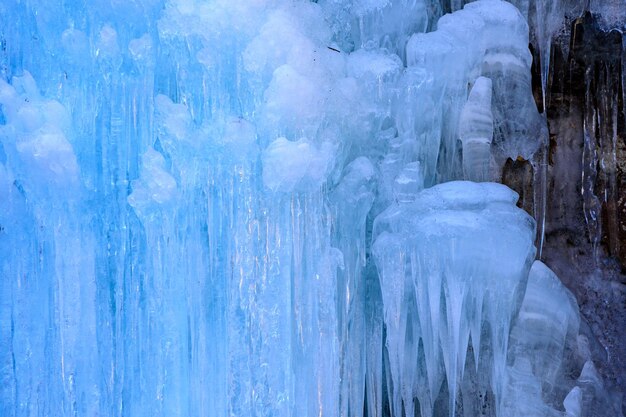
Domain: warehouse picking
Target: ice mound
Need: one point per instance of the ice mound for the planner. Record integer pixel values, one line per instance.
(547, 321)
(451, 264)
(483, 332)
(542, 342)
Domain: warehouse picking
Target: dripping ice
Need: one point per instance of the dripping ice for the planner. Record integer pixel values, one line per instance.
(273, 208)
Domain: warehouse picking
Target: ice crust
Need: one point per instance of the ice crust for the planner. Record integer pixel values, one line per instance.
(256, 208)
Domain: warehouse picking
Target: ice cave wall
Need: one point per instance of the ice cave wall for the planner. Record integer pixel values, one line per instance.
(216, 208)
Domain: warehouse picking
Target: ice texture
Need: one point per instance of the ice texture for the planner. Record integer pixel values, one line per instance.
(476, 131)
(257, 208)
(436, 302)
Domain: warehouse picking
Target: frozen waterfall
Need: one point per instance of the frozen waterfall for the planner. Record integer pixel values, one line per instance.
(265, 208)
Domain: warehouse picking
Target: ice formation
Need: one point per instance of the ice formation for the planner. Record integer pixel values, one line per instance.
(476, 131)
(256, 208)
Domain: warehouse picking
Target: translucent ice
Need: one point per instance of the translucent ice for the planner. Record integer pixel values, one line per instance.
(35, 138)
(155, 186)
(247, 208)
(445, 274)
(289, 166)
(542, 340)
(547, 322)
(476, 131)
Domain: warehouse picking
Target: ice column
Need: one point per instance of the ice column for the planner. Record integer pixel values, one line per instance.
(476, 131)
(53, 322)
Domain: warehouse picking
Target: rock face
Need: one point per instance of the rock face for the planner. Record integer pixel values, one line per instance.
(585, 177)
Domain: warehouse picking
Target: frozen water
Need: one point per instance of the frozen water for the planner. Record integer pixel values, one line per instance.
(254, 208)
(289, 166)
(476, 131)
(427, 283)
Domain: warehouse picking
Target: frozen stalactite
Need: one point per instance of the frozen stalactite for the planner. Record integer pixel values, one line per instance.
(545, 18)
(440, 305)
(476, 131)
(435, 310)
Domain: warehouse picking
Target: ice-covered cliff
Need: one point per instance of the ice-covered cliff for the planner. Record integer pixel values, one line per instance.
(291, 208)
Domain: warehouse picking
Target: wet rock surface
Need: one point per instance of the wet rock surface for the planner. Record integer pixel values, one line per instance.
(585, 201)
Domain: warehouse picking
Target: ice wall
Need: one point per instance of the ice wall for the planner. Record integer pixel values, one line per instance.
(245, 208)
